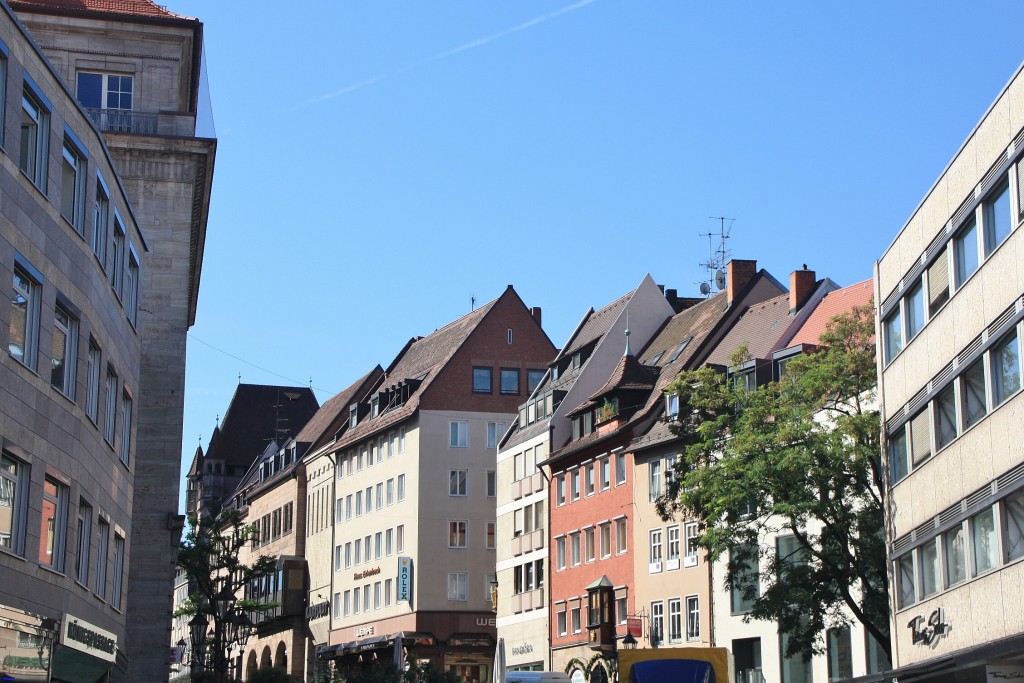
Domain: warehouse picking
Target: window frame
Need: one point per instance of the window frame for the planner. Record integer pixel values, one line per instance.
(510, 388)
(457, 587)
(458, 434)
(458, 534)
(458, 483)
(30, 290)
(74, 157)
(16, 474)
(55, 544)
(63, 380)
(33, 160)
(483, 379)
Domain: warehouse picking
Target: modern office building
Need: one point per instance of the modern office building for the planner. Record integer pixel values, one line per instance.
(135, 67)
(71, 382)
(950, 290)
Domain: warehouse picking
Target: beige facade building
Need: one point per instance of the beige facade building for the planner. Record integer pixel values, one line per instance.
(135, 68)
(950, 288)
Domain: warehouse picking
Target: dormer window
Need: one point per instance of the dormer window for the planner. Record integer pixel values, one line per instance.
(353, 415)
(375, 406)
(672, 406)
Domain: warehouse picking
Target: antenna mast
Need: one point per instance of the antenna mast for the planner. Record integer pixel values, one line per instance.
(717, 257)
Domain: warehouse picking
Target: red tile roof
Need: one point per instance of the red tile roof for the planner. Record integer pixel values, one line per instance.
(835, 303)
(125, 8)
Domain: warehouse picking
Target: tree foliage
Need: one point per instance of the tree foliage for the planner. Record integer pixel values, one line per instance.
(796, 457)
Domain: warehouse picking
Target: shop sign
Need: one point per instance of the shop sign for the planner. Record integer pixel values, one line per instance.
(1004, 672)
(364, 631)
(635, 627)
(521, 650)
(318, 611)
(366, 573)
(926, 632)
(92, 640)
(404, 579)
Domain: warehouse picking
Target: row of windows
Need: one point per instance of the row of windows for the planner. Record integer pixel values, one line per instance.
(23, 345)
(675, 620)
(568, 616)
(595, 475)
(528, 576)
(53, 530)
(663, 548)
(978, 236)
(362, 502)
(372, 547)
(483, 380)
(977, 390)
(977, 545)
(657, 485)
(374, 451)
(274, 525)
(746, 585)
(379, 594)
(458, 534)
(524, 464)
(581, 546)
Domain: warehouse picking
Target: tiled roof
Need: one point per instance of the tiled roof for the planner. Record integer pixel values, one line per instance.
(628, 375)
(422, 357)
(257, 415)
(124, 8)
(759, 327)
(333, 415)
(835, 303)
(596, 325)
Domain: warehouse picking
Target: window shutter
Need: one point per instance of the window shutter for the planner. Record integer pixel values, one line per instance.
(938, 282)
(920, 435)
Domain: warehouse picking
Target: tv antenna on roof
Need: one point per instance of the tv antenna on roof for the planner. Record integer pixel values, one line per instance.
(717, 257)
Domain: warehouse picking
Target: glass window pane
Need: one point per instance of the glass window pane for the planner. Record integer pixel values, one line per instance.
(929, 558)
(983, 538)
(1005, 369)
(1014, 526)
(965, 250)
(893, 335)
(898, 465)
(938, 283)
(997, 218)
(945, 417)
(972, 390)
(90, 90)
(905, 570)
(954, 544)
(914, 307)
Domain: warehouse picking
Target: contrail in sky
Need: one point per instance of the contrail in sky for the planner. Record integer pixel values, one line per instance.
(451, 52)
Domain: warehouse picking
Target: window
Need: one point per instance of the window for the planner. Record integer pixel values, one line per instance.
(126, 428)
(347, 601)
(54, 521)
(338, 557)
(510, 381)
(378, 545)
(692, 618)
(482, 381)
(388, 592)
(913, 305)
(575, 485)
(492, 484)
(984, 541)
(495, 430)
(996, 217)
(390, 491)
(1005, 369)
(620, 469)
(348, 507)
(457, 534)
(672, 552)
(35, 136)
(131, 288)
(23, 342)
(562, 622)
(458, 434)
(102, 544)
(745, 585)
(458, 482)
(359, 551)
(590, 479)
(376, 595)
(289, 514)
(972, 394)
(795, 669)
(379, 495)
(675, 620)
(533, 379)
(965, 253)
(898, 464)
(100, 220)
(13, 483)
(621, 609)
(3, 88)
(606, 473)
(954, 546)
(657, 622)
(576, 622)
(118, 569)
(490, 535)
(574, 548)
(893, 329)
(457, 586)
(654, 488)
(401, 487)
(692, 534)
(560, 490)
(64, 358)
(929, 567)
(620, 536)
(348, 554)
(945, 417)
(1014, 510)
(938, 283)
(606, 540)
(591, 542)
(117, 249)
(105, 91)
(92, 382)
(906, 581)
(654, 546)
(359, 503)
(369, 499)
(840, 654)
(401, 440)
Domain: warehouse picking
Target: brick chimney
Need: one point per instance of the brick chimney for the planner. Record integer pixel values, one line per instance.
(801, 284)
(535, 312)
(738, 273)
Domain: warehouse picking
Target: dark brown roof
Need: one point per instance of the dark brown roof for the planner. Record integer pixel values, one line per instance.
(760, 326)
(120, 8)
(333, 415)
(257, 415)
(628, 375)
(596, 324)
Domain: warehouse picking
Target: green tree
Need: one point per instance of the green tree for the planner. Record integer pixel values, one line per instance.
(797, 457)
(210, 557)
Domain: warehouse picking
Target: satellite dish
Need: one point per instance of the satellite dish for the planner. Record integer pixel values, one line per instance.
(705, 288)
(720, 279)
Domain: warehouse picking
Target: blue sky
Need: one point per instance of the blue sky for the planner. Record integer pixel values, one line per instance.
(381, 162)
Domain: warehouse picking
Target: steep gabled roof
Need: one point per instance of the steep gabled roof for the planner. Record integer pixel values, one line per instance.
(333, 415)
(257, 415)
(114, 8)
(759, 328)
(836, 302)
(420, 360)
(596, 324)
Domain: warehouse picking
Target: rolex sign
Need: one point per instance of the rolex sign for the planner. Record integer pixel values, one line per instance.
(404, 579)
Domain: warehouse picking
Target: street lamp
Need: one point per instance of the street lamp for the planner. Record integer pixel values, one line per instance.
(197, 630)
(629, 642)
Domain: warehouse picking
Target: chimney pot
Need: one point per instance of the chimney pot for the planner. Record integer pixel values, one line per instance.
(738, 273)
(535, 312)
(801, 284)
